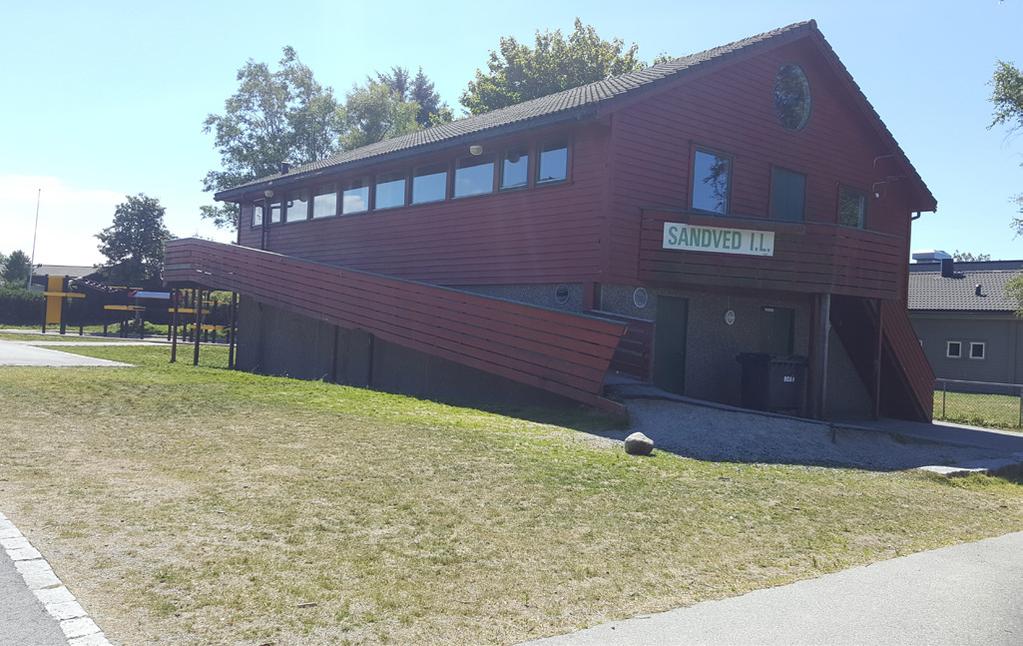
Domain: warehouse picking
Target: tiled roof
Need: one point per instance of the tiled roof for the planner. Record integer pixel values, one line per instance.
(567, 103)
(928, 290)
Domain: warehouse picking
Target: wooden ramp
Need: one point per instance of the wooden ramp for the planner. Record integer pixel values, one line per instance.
(559, 352)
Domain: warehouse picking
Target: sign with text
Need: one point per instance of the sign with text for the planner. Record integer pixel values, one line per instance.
(688, 237)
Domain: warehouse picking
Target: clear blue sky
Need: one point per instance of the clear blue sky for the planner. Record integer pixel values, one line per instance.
(108, 98)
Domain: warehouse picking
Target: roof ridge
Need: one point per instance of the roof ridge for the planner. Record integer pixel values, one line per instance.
(561, 104)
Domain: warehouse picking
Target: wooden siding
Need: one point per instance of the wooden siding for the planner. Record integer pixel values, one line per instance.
(731, 110)
(559, 352)
(906, 354)
(548, 233)
(812, 257)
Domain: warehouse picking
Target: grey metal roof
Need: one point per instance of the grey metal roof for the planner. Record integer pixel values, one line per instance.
(928, 290)
(74, 271)
(567, 104)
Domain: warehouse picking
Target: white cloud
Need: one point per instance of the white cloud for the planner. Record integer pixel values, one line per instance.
(71, 216)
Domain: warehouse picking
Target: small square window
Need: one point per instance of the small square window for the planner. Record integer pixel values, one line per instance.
(325, 201)
(390, 190)
(553, 166)
(296, 207)
(515, 168)
(977, 350)
(474, 176)
(430, 184)
(355, 196)
(852, 207)
(712, 176)
(276, 209)
(953, 349)
(788, 195)
(257, 215)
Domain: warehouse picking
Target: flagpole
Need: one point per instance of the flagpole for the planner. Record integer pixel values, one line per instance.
(35, 231)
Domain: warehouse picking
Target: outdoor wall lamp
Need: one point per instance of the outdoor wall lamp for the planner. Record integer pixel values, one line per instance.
(476, 150)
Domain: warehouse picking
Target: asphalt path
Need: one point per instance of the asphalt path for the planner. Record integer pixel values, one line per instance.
(23, 620)
(966, 594)
(20, 354)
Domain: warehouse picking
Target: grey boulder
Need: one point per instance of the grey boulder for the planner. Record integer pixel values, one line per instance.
(638, 444)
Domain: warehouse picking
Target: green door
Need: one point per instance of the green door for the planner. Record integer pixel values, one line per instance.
(777, 329)
(670, 344)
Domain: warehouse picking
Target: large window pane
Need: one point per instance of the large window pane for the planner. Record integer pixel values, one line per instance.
(852, 207)
(276, 209)
(515, 168)
(430, 184)
(325, 202)
(553, 166)
(297, 206)
(788, 195)
(712, 177)
(355, 197)
(474, 175)
(257, 215)
(390, 190)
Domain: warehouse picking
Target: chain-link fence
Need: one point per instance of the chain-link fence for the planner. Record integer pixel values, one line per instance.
(979, 403)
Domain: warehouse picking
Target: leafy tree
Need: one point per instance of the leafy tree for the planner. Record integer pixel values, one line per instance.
(134, 243)
(966, 256)
(432, 110)
(517, 72)
(275, 116)
(3, 261)
(375, 112)
(16, 269)
(1007, 97)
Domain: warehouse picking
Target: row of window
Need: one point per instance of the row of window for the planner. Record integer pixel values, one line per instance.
(954, 349)
(712, 187)
(464, 177)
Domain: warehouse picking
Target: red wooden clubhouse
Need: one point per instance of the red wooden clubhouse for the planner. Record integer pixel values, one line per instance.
(656, 224)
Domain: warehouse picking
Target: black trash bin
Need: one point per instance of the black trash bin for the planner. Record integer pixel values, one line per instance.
(773, 382)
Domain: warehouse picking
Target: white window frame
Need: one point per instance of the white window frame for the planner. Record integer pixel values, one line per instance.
(948, 350)
(983, 350)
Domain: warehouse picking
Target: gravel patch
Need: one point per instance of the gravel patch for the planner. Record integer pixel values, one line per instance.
(719, 435)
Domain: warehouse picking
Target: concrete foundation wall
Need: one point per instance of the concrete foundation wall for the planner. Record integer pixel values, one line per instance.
(275, 342)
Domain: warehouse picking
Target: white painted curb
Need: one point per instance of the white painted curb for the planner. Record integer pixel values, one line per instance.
(58, 601)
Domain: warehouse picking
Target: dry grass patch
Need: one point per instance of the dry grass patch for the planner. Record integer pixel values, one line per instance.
(201, 505)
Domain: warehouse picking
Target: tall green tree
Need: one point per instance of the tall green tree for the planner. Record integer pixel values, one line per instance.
(1007, 97)
(275, 116)
(134, 243)
(15, 269)
(374, 112)
(418, 88)
(517, 72)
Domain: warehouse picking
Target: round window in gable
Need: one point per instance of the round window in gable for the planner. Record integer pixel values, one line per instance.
(561, 294)
(792, 97)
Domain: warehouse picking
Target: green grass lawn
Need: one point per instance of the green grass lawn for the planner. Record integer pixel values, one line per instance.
(200, 505)
(991, 411)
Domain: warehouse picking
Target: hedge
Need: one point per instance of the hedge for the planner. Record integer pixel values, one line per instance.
(20, 306)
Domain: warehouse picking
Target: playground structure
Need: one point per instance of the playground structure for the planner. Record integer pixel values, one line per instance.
(191, 315)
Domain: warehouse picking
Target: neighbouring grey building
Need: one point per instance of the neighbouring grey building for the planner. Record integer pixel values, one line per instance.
(966, 322)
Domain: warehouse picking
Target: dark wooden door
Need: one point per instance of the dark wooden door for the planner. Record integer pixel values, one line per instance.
(777, 329)
(670, 344)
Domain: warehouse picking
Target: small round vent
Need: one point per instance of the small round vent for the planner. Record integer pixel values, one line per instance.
(640, 298)
(562, 294)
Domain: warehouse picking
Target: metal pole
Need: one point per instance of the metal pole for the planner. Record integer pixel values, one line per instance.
(944, 392)
(174, 325)
(198, 325)
(35, 231)
(1020, 409)
(232, 330)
